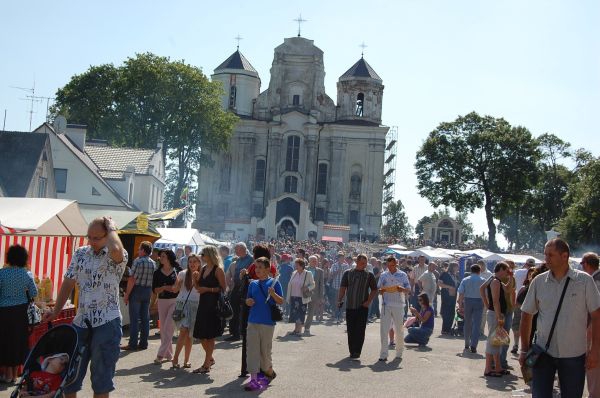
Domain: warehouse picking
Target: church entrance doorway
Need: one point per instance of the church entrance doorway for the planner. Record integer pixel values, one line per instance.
(286, 230)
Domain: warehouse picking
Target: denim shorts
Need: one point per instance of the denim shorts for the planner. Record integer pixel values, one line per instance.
(102, 355)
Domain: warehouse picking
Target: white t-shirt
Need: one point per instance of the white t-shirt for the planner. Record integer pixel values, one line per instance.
(429, 283)
(183, 292)
(520, 276)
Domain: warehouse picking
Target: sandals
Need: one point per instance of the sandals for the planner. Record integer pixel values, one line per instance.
(187, 365)
(212, 362)
(158, 361)
(505, 372)
(175, 366)
(201, 370)
(492, 374)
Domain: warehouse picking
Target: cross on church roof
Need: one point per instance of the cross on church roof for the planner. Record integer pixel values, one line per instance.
(363, 46)
(238, 38)
(300, 21)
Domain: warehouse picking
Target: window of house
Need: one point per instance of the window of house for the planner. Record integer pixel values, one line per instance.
(232, 96)
(95, 192)
(293, 153)
(296, 100)
(355, 183)
(60, 179)
(354, 217)
(291, 184)
(320, 214)
(360, 101)
(322, 179)
(42, 186)
(259, 177)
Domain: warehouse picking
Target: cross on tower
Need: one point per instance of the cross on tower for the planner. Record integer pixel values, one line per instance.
(238, 38)
(363, 46)
(300, 21)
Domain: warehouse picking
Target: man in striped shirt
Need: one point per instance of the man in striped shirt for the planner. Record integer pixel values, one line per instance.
(359, 287)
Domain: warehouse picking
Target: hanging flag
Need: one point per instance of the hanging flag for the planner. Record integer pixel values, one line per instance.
(184, 194)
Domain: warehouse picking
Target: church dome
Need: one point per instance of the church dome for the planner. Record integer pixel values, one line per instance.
(361, 69)
(236, 63)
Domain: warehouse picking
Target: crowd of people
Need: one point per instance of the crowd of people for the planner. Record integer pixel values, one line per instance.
(305, 282)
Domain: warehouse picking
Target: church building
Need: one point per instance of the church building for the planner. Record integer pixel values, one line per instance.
(298, 164)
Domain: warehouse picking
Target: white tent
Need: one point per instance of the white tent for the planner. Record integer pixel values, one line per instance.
(41, 217)
(178, 237)
(431, 254)
(397, 247)
(518, 259)
(478, 252)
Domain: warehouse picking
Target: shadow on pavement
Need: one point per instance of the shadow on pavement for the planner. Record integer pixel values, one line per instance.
(289, 337)
(505, 383)
(388, 366)
(469, 355)
(345, 365)
(418, 348)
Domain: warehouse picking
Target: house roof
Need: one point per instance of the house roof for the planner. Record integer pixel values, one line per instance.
(113, 162)
(236, 61)
(19, 156)
(361, 69)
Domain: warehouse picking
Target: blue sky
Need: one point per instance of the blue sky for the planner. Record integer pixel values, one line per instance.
(536, 63)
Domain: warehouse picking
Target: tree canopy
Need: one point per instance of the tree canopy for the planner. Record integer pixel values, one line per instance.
(397, 224)
(476, 162)
(151, 99)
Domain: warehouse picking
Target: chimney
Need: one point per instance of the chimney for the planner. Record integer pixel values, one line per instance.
(76, 133)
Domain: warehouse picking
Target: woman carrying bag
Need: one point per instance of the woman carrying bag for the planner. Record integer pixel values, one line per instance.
(298, 294)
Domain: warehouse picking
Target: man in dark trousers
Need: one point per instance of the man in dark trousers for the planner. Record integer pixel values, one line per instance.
(244, 259)
(359, 287)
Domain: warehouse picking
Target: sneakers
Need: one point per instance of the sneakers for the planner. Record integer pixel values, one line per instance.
(473, 350)
(515, 349)
(253, 385)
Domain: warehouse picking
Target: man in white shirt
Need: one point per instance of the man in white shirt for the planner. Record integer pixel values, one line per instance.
(485, 274)
(428, 281)
(521, 273)
(393, 285)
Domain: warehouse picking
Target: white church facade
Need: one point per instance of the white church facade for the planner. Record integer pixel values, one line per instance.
(298, 164)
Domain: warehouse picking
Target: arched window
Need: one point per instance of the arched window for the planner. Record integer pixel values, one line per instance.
(360, 100)
(293, 153)
(259, 177)
(322, 179)
(355, 185)
(291, 184)
(232, 96)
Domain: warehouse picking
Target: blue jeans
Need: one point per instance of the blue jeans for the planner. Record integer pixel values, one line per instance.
(139, 311)
(418, 335)
(102, 352)
(507, 325)
(473, 311)
(374, 308)
(571, 372)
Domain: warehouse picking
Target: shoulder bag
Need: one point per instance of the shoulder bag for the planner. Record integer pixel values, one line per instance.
(534, 353)
(34, 314)
(306, 293)
(224, 309)
(178, 314)
(276, 311)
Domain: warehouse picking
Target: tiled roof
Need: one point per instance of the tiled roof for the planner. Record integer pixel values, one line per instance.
(237, 61)
(112, 162)
(361, 69)
(19, 156)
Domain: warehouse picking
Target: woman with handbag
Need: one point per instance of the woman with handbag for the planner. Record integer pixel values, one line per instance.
(210, 284)
(163, 284)
(16, 284)
(264, 295)
(299, 293)
(185, 310)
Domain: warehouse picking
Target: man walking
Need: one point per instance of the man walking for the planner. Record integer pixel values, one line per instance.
(568, 352)
(471, 305)
(97, 270)
(590, 263)
(418, 271)
(137, 297)
(337, 270)
(244, 260)
(318, 292)
(359, 287)
(428, 282)
(393, 286)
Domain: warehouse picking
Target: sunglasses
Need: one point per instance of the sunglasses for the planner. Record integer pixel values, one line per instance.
(95, 238)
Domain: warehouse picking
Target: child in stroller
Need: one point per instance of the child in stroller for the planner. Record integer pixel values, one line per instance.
(47, 381)
(458, 329)
(52, 364)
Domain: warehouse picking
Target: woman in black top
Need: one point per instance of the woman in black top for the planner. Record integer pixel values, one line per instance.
(164, 280)
(495, 301)
(210, 282)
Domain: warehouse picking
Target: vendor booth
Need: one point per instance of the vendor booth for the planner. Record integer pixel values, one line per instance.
(172, 238)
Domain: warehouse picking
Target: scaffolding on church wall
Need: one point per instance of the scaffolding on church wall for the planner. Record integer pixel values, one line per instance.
(389, 170)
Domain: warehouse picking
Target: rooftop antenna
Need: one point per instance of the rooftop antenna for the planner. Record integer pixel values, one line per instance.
(363, 46)
(34, 98)
(300, 22)
(238, 38)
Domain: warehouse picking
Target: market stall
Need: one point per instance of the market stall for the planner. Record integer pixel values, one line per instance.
(172, 238)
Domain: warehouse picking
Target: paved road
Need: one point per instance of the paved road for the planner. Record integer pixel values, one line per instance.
(317, 366)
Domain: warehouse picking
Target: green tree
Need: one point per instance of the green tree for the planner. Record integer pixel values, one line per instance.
(420, 227)
(477, 162)
(580, 224)
(397, 224)
(147, 100)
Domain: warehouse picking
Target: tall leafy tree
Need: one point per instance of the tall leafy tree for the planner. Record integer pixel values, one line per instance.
(151, 99)
(580, 224)
(476, 162)
(397, 224)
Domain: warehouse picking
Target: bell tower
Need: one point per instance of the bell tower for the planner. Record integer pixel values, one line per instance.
(360, 94)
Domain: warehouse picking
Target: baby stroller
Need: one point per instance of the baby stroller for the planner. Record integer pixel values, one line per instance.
(57, 340)
(458, 329)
